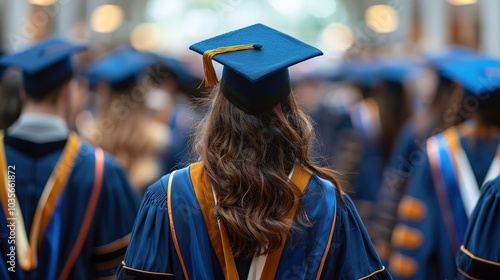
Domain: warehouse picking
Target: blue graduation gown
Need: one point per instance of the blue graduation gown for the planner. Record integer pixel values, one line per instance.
(176, 235)
(406, 154)
(366, 147)
(432, 217)
(479, 256)
(88, 224)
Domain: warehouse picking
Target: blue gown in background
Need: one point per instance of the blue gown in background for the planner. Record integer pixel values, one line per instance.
(407, 154)
(433, 213)
(479, 256)
(176, 236)
(103, 237)
(331, 124)
(367, 150)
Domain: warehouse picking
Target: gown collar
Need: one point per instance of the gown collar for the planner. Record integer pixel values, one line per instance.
(39, 128)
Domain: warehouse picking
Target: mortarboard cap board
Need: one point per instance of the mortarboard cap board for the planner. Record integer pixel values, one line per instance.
(121, 69)
(178, 68)
(44, 65)
(451, 53)
(256, 59)
(478, 75)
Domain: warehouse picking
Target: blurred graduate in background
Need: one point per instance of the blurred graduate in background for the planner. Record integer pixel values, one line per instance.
(406, 152)
(72, 204)
(444, 188)
(363, 142)
(123, 126)
(177, 89)
(10, 100)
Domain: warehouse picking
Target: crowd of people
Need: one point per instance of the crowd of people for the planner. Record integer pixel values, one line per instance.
(384, 167)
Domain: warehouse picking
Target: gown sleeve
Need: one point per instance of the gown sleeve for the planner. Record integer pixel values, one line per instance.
(149, 253)
(352, 255)
(479, 256)
(420, 240)
(117, 208)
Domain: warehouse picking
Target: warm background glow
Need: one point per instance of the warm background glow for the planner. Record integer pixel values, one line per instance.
(42, 2)
(382, 18)
(337, 38)
(462, 2)
(106, 18)
(146, 37)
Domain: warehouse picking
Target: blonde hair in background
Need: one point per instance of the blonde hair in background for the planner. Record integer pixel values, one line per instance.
(125, 130)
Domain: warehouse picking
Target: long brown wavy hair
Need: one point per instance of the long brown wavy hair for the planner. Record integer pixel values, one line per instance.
(248, 159)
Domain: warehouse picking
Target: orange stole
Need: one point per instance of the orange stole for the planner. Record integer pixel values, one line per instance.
(27, 249)
(219, 239)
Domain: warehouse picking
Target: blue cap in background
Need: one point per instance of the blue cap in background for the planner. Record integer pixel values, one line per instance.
(362, 72)
(478, 75)
(185, 78)
(121, 69)
(399, 70)
(45, 65)
(449, 54)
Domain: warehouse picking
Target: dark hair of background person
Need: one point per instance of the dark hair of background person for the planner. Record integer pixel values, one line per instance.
(162, 73)
(10, 100)
(248, 159)
(395, 109)
(488, 110)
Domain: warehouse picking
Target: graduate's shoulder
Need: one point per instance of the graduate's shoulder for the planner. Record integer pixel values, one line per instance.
(324, 186)
(157, 193)
(87, 158)
(492, 186)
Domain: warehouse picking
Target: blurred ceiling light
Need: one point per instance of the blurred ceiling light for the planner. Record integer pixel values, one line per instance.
(106, 18)
(462, 2)
(43, 2)
(162, 9)
(247, 13)
(337, 38)
(287, 7)
(146, 37)
(321, 9)
(199, 23)
(382, 18)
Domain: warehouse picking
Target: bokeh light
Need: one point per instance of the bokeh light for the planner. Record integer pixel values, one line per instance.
(382, 18)
(337, 38)
(162, 9)
(321, 8)
(462, 2)
(146, 37)
(42, 2)
(288, 7)
(106, 18)
(200, 23)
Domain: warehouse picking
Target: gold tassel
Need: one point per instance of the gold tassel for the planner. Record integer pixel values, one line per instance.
(208, 67)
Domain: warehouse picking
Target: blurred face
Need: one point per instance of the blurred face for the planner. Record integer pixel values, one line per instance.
(425, 87)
